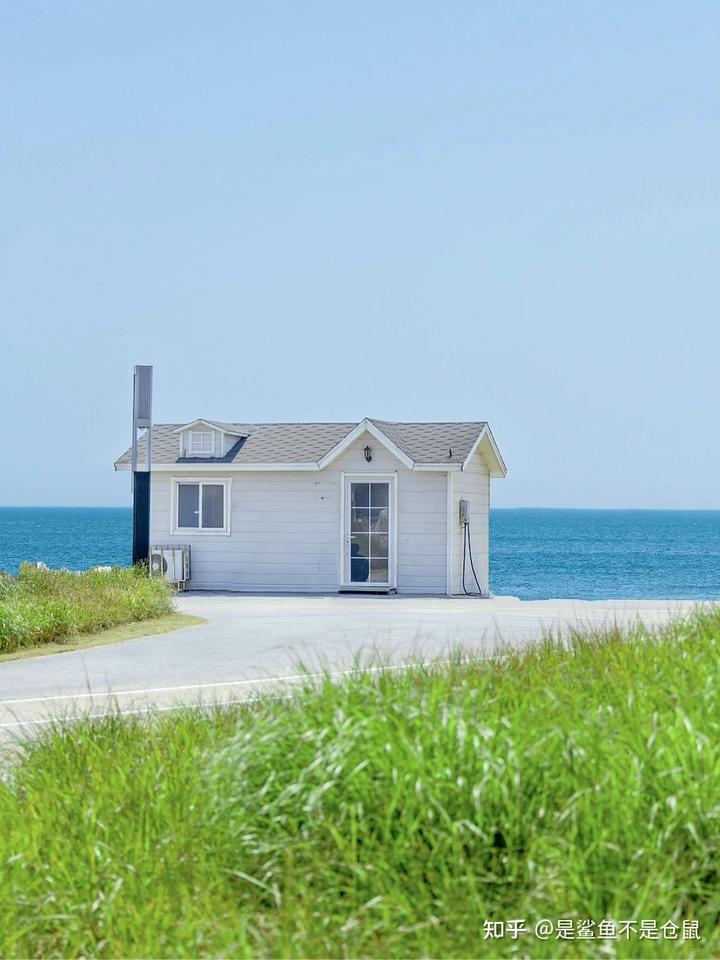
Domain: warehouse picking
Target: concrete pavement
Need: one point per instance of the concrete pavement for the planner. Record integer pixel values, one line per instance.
(257, 643)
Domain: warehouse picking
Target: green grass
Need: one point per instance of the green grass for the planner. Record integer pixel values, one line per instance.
(389, 815)
(50, 606)
(167, 623)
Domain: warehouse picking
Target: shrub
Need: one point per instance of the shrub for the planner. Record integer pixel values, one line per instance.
(42, 606)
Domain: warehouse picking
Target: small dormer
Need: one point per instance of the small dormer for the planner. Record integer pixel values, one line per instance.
(205, 440)
(201, 442)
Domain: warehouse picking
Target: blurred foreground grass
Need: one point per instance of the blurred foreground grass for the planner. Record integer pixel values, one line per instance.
(389, 815)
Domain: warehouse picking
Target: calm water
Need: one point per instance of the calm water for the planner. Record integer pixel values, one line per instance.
(605, 554)
(535, 554)
(73, 537)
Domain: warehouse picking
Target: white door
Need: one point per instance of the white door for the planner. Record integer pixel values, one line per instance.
(369, 547)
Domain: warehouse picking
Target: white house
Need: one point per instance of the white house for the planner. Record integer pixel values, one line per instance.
(320, 507)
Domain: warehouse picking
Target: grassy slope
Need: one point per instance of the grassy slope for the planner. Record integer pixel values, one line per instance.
(167, 623)
(47, 606)
(387, 816)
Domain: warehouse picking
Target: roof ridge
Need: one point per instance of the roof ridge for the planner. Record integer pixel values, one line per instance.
(432, 423)
(319, 423)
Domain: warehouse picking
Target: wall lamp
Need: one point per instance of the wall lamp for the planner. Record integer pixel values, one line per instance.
(368, 454)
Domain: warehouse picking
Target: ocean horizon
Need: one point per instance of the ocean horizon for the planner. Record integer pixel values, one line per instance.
(535, 552)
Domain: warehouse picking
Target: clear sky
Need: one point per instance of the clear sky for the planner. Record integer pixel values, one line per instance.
(408, 210)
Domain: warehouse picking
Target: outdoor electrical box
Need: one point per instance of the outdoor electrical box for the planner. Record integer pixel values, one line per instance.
(464, 512)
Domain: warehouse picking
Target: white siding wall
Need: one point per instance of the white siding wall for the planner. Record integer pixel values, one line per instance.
(285, 527)
(229, 441)
(471, 484)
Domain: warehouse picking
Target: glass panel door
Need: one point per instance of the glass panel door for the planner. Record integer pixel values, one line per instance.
(369, 529)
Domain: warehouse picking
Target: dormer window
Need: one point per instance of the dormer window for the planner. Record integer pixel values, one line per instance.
(202, 443)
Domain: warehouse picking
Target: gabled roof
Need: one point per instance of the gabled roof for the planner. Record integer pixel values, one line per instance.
(216, 424)
(315, 445)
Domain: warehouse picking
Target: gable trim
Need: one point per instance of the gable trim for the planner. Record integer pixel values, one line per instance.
(365, 426)
(205, 423)
(496, 469)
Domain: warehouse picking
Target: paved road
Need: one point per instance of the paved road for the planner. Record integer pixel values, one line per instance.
(254, 643)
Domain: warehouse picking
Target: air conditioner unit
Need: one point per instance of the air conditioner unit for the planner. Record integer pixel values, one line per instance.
(171, 561)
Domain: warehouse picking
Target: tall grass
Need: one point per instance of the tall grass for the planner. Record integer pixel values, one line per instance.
(42, 606)
(389, 815)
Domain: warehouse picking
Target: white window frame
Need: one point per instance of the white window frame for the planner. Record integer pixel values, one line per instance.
(344, 573)
(225, 482)
(202, 433)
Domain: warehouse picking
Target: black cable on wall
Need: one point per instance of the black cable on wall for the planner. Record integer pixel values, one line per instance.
(467, 548)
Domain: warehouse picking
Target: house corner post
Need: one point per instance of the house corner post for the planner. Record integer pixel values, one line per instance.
(142, 420)
(141, 517)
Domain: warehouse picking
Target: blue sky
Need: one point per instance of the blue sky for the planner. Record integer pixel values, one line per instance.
(322, 211)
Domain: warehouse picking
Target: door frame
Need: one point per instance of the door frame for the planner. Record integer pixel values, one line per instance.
(346, 479)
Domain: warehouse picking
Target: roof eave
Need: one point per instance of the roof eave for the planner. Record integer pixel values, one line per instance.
(305, 465)
(491, 453)
(365, 426)
(207, 423)
(215, 467)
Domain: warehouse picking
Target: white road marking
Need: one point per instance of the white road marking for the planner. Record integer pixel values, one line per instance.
(236, 683)
(141, 690)
(151, 708)
(132, 713)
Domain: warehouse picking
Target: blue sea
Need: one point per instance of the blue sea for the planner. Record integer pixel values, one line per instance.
(534, 554)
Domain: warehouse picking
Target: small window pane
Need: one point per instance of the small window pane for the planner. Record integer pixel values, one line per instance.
(360, 545)
(379, 495)
(188, 505)
(359, 571)
(379, 546)
(359, 521)
(379, 520)
(360, 495)
(379, 571)
(201, 441)
(212, 506)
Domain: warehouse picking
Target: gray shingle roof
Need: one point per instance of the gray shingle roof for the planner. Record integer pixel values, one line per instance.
(432, 442)
(309, 442)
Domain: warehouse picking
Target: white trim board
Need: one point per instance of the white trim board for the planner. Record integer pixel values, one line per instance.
(206, 423)
(392, 480)
(232, 467)
(366, 426)
(500, 470)
(225, 482)
(449, 534)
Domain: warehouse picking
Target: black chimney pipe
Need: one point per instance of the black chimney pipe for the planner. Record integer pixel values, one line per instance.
(142, 420)
(141, 517)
